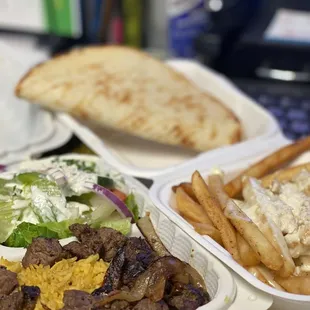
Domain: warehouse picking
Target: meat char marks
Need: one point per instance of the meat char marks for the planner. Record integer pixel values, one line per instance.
(142, 274)
(13, 299)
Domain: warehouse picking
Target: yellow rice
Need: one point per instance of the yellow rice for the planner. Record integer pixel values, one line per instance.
(85, 274)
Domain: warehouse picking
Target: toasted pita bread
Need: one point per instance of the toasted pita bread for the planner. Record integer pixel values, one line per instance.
(125, 89)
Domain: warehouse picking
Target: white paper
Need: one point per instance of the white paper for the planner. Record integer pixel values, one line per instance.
(289, 25)
(25, 14)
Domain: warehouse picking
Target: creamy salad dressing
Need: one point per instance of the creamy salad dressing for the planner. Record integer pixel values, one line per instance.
(75, 180)
(45, 197)
(45, 200)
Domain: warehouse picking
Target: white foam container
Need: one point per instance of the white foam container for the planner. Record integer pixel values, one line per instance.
(161, 195)
(138, 157)
(226, 291)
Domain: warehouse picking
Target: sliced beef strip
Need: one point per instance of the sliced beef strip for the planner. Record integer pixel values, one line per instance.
(77, 300)
(147, 304)
(45, 251)
(13, 301)
(79, 250)
(31, 295)
(187, 297)
(139, 256)
(8, 281)
(112, 279)
(129, 262)
(105, 241)
(112, 240)
(137, 249)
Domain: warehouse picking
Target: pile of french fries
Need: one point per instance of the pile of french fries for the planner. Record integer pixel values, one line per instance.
(211, 209)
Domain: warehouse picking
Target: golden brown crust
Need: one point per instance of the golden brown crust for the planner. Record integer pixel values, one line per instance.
(130, 123)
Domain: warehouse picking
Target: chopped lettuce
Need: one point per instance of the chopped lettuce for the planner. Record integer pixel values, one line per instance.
(4, 192)
(33, 204)
(60, 228)
(106, 182)
(8, 218)
(23, 234)
(6, 229)
(131, 204)
(84, 198)
(122, 225)
(28, 178)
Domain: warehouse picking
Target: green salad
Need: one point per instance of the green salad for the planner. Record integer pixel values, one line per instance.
(45, 199)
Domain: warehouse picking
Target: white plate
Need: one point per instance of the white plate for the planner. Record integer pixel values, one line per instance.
(22, 124)
(138, 157)
(61, 135)
(224, 290)
(161, 194)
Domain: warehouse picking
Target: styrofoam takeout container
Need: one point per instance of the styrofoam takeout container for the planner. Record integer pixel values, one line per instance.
(138, 157)
(162, 196)
(226, 291)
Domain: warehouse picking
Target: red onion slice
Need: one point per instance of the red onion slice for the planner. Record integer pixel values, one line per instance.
(119, 205)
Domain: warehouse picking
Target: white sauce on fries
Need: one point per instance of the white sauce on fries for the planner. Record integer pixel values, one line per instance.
(288, 205)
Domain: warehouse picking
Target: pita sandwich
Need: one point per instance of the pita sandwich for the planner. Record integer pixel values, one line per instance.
(124, 89)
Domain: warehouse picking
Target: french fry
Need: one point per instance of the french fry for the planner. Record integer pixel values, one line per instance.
(269, 164)
(256, 273)
(190, 209)
(269, 229)
(284, 175)
(248, 256)
(295, 285)
(187, 187)
(267, 254)
(215, 213)
(265, 276)
(206, 230)
(269, 277)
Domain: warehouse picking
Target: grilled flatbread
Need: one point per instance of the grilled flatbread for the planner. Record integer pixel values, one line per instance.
(127, 90)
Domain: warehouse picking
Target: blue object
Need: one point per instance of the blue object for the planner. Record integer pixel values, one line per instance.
(186, 21)
(290, 106)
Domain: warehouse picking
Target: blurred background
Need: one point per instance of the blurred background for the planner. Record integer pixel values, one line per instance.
(262, 45)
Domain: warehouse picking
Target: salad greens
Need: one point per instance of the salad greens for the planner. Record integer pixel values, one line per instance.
(106, 182)
(45, 202)
(123, 225)
(23, 234)
(131, 204)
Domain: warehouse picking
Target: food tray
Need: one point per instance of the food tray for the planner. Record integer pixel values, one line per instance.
(161, 196)
(226, 293)
(135, 156)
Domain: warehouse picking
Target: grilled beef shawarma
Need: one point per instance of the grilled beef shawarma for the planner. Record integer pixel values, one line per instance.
(106, 241)
(79, 250)
(8, 281)
(25, 299)
(77, 300)
(30, 296)
(13, 301)
(45, 251)
(140, 274)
